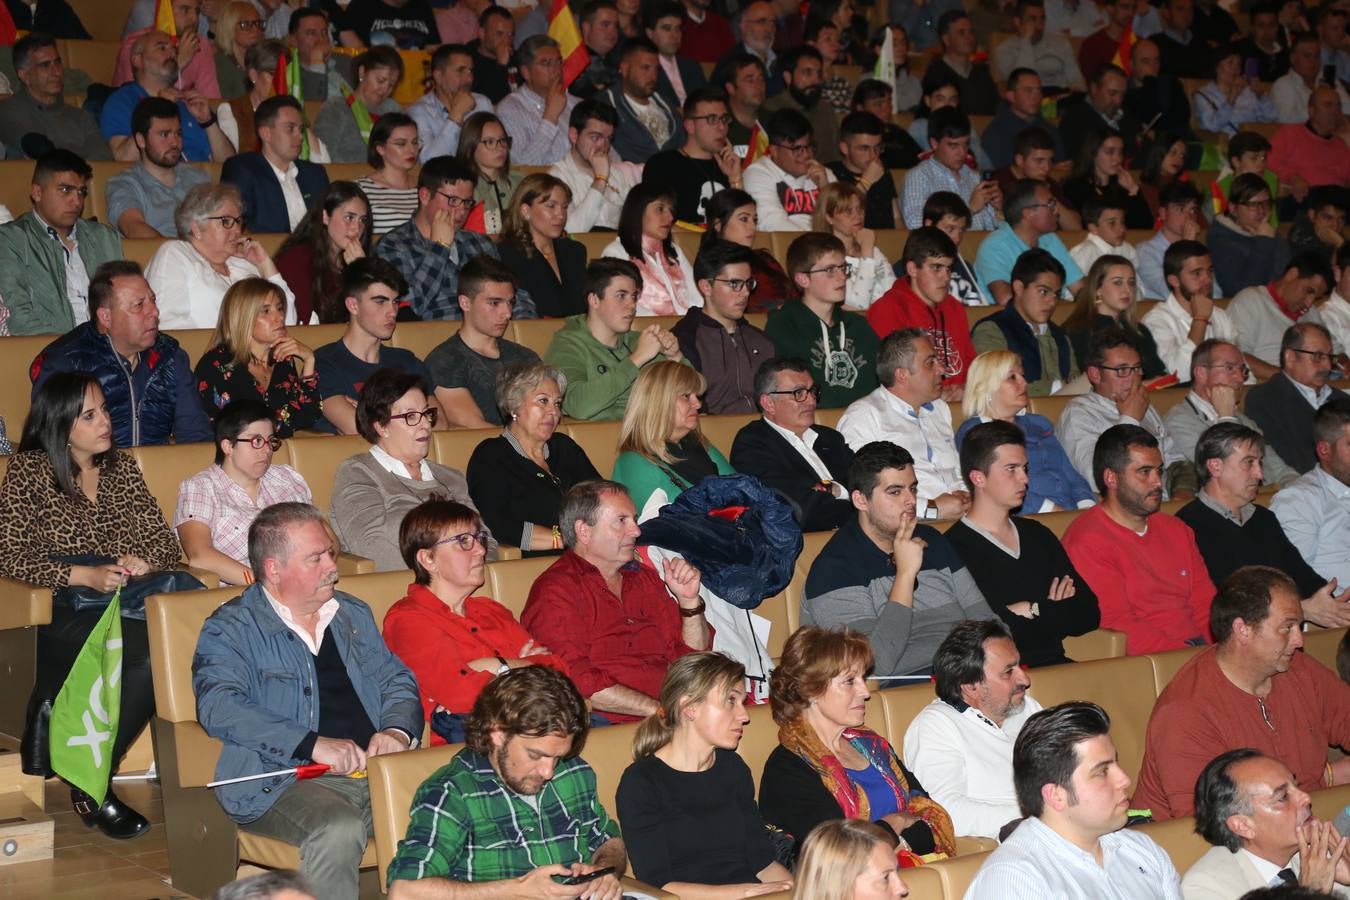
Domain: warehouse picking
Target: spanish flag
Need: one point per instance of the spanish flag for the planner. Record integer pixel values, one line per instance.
(1122, 57)
(7, 30)
(562, 27)
(286, 80)
(757, 146)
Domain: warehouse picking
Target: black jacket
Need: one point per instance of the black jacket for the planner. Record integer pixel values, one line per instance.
(1285, 417)
(691, 74)
(553, 299)
(761, 451)
(264, 204)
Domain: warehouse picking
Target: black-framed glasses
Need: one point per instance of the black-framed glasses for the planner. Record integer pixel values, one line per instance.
(227, 222)
(452, 201)
(1232, 368)
(465, 540)
(796, 149)
(736, 285)
(1317, 355)
(257, 442)
(714, 119)
(493, 142)
(1127, 371)
(845, 268)
(414, 417)
(800, 394)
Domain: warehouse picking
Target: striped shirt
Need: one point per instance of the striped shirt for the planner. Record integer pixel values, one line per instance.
(468, 826)
(389, 207)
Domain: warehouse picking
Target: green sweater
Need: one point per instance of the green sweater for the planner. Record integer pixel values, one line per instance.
(598, 377)
(643, 477)
(33, 271)
(795, 332)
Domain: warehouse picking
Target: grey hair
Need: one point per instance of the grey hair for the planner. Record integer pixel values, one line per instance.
(1296, 335)
(264, 55)
(201, 203)
(516, 382)
(582, 503)
(269, 535)
(1220, 440)
(897, 352)
(530, 47)
(264, 886)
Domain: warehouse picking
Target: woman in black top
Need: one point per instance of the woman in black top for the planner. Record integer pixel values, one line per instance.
(1100, 171)
(1109, 298)
(518, 480)
(687, 803)
(550, 267)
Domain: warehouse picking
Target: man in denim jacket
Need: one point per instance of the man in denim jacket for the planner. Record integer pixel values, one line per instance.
(291, 672)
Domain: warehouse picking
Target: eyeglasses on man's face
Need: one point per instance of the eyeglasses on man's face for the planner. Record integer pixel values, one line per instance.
(713, 119)
(845, 269)
(796, 149)
(415, 417)
(1318, 356)
(1231, 369)
(257, 442)
(799, 394)
(229, 223)
(1124, 371)
(736, 285)
(465, 540)
(456, 202)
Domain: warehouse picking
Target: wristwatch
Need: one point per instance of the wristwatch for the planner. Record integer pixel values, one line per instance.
(503, 668)
(930, 511)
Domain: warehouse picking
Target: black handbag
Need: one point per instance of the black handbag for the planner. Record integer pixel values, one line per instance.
(134, 592)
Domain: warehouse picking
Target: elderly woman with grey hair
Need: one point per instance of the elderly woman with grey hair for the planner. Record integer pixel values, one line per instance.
(190, 276)
(518, 480)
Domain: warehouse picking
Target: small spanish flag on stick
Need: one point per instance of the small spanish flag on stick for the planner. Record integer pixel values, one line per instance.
(164, 18)
(757, 146)
(1127, 40)
(562, 27)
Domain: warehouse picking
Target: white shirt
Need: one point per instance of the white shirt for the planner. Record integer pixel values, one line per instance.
(1260, 322)
(763, 177)
(1314, 512)
(312, 641)
(926, 432)
(1290, 94)
(1335, 314)
(394, 466)
(440, 133)
(1170, 326)
(964, 762)
(806, 446)
(1035, 863)
(1315, 398)
(871, 278)
(77, 276)
(1086, 416)
(593, 206)
(289, 179)
(189, 291)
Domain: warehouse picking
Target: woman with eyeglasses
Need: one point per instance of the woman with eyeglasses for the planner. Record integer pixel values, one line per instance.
(373, 491)
(550, 267)
(251, 355)
(1100, 171)
(240, 27)
(662, 452)
(732, 216)
(1109, 298)
(645, 239)
(218, 504)
(839, 211)
(519, 478)
(454, 642)
(190, 276)
(1244, 246)
(236, 113)
(485, 147)
(392, 187)
(331, 236)
(346, 121)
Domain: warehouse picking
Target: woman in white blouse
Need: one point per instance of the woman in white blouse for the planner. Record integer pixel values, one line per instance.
(839, 211)
(645, 228)
(190, 276)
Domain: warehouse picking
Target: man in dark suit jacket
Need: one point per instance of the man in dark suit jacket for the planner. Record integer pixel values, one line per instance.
(665, 29)
(787, 450)
(277, 187)
(1101, 109)
(634, 141)
(1283, 406)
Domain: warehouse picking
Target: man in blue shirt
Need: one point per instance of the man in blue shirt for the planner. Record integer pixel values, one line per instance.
(154, 71)
(1030, 222)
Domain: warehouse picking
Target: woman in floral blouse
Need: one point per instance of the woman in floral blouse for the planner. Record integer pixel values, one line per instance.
(251, 349)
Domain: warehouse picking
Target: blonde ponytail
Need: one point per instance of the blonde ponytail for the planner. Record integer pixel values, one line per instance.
(690, 679)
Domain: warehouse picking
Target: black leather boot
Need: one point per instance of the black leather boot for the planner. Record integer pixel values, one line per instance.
(34, 748)
(114, 818)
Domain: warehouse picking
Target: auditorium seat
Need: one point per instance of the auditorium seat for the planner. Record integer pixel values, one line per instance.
(902, 704)
(166, 466)
(955, 874)
(599, 441)
(420, 338)
(511, 580)
(452, 447)
(1322, 643)
(1166, 665)
(1121, 686)
(317, 458)
(1178, 838)
(97, 58)
(536, 334)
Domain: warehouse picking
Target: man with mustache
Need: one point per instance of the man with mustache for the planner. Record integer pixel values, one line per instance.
(961, 744)
(1283, 406)
(1143, 564)
(1252, 689)
(292, 672)
(802, 69)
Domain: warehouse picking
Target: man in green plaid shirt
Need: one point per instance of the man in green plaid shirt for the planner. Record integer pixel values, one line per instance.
(514, 806)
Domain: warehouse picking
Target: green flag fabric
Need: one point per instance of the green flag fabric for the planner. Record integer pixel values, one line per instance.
(86, 711)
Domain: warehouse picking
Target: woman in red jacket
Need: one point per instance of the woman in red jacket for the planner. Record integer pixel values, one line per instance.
(455, 643)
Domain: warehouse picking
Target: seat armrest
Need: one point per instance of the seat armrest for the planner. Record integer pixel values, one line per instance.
(967, 844)
(1102, 643)
(210, 579)
(23, 604)
(351, 564)
(505, 552)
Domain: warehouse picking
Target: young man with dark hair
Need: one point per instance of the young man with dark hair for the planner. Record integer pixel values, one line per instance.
(1022, 111)
(898, 149)
(679, 75)
(949, 214)
(598, 185)
(715, 337)
(441, 111)
(1018, 563)
(647, 123)
(860, 162)
(1142, 563)
(979, 94)
(1024, 325)
(599, 351)
(706, 163)
(492, 50)
(277, 186)
(1189, 314)
(1183, 53)
(1320, 227)
(1247, 153)
(787, 180)
(1033, 156)
(840, 347)
(466, 365)
(1029, 223)
(745, 79)
(1075, 795)
(1100, 109)
(1179, 218)
(922, 299)
(143, 197)
(1261, 48)
(946, 170)
(1262, 313)
(802, 70)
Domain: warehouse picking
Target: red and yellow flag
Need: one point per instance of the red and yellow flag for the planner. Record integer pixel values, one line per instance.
(757, 146)
(7, 30)
(562, 27)
(1127, 40)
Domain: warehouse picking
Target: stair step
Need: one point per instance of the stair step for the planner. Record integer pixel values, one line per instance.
(12, 777)
(26, 832)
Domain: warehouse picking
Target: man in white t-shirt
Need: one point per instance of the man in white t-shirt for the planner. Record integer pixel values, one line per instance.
(786, 182)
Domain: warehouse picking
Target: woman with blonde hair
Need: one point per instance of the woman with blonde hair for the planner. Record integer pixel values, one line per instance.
(687, 803)
(239, 28)
(1109, 298)
(661, 450)
(828, 764)
(252, 356)
(996, 388)
(550, 266)
(848, 859)
(485, 147)
(839, 211)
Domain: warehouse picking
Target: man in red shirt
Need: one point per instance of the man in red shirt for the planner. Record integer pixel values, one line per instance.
(1315, 152)
(1252, 689)
(922, 300)
(611, 619)
(1142, 564)
(707, 35)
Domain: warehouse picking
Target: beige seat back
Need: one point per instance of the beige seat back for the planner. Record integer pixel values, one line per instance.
(1167, 664)
(454, 446)
(599, 440)
(1322, 644)
(758, 740)
(317, 457)
(16, 388)
(512, 579)
(775, 609)
(1178, 838)
(166, 466)
(1329, 803)
(609, 750)
(194, 342)
(536, 334)
(721, 430)
(925, 883)
(902, 704)
(394, 779)
(956, 874)
(422, 337)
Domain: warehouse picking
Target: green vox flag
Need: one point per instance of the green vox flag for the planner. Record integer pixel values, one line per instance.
(85, 714)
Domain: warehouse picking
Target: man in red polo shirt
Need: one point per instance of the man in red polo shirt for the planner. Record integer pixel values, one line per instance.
(1314, 152)
(611, 619)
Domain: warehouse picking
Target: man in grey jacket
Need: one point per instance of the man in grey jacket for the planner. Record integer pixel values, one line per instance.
(292, 672)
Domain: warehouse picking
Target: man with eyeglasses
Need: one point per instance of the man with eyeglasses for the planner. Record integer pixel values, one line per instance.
(786, 182)
(647, 124)
(598, 179)
(1314, 511)
(1232, 531)
(533, 114)
(1026, 326)
(1218, 376)
(860, 162)
(1263, 312)
(441, 111)
(715, 338)
(788, 450)
(757, 27)
(50, 252)
(706, 163)
(1118, 397)
(803, 72)
(1031, 212)
(277, 186)
(143, 197)
(1284, 405)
